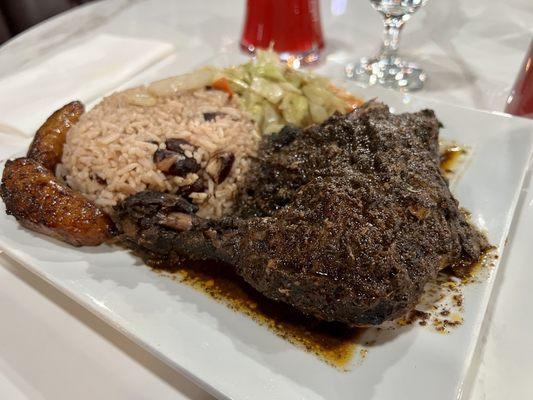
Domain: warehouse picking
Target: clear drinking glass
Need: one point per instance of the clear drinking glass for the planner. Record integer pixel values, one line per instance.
(387, 68)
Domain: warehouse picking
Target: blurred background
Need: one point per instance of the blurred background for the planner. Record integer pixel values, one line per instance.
(18, 15)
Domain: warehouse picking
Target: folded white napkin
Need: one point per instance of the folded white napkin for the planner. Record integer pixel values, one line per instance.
(84, 73)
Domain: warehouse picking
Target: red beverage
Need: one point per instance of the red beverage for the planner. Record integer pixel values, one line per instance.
(520, 101)
(293, 26)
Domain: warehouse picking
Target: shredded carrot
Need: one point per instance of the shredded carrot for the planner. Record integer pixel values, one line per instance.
(222, 84)
(351, 101)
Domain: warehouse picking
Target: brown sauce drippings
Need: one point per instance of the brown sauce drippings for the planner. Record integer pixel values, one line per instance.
(473, 273)
(441, 307)
(333, 343)
(450, 155)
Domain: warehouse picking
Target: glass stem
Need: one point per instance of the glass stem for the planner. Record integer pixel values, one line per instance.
(391, 38)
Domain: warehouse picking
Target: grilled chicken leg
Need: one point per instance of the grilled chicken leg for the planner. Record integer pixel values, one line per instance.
(346, 221)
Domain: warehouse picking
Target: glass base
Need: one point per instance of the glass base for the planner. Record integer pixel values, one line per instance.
(293, 59)
(395, 74)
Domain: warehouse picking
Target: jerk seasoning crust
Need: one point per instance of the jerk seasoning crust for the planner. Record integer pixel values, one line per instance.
(345, 221)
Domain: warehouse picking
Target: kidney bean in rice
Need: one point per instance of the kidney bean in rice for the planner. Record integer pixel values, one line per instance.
(195, 143)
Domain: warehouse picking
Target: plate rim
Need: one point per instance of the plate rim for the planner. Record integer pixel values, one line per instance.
(203, 383)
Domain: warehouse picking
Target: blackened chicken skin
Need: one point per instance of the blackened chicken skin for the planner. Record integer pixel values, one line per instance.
(34, 196)
(40, 203)
(47, 145)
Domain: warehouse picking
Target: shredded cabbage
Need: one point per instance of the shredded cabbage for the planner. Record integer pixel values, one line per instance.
(276, 95)
(273, 93)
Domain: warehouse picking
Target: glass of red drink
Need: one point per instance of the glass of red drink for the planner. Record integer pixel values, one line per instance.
(520, 101)
(291, 26)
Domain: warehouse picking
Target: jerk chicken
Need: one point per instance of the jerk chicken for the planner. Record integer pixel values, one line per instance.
(39, 201)
(346, 221)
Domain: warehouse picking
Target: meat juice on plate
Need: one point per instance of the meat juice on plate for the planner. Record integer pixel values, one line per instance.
(333, 343)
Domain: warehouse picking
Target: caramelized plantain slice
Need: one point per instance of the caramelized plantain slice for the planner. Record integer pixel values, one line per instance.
(39, 202)
(47, 145)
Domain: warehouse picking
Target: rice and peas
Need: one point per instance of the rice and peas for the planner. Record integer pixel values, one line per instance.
(193, 135)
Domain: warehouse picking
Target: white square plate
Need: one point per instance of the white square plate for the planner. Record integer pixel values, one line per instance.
(232, 356)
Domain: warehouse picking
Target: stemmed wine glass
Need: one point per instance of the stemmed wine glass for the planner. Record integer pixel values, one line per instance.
(387, 68)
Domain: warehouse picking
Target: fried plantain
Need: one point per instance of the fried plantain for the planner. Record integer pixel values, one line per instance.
(47, 145)
(39, 202)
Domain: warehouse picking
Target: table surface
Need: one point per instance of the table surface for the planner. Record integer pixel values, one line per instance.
(52, 348)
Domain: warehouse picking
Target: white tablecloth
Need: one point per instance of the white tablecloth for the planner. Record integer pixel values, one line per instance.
(51, 348)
